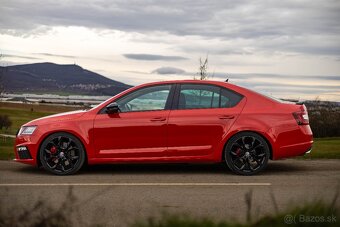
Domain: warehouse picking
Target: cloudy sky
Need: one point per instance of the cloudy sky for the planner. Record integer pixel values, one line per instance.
(288, 48)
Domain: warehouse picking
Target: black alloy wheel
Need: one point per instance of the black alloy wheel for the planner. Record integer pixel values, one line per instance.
(62, 154)
(247, 153)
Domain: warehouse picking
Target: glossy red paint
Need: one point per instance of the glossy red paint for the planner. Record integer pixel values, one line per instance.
(174, 135)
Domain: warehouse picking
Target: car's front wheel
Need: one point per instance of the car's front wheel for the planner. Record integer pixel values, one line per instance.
(62, 154)
(247, 153)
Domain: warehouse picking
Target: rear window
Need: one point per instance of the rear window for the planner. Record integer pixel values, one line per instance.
(200, 96)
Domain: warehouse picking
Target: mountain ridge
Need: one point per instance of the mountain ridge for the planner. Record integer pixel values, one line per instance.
(47, 77)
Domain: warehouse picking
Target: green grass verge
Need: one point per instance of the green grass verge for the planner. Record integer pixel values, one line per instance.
(20, 117)
(20, 114)
(6, 148)
(325, 148)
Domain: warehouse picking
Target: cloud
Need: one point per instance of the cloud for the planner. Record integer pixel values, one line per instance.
(55, 55)
(270, 77)
(153, 57)
(20, 56)
(168, 70)
(292, 26)
(274, 37)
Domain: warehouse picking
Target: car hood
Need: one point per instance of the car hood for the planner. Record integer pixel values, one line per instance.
(58, 117)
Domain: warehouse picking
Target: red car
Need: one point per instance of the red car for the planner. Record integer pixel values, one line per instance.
(189, 121)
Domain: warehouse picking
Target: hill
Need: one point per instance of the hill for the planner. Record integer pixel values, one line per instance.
(60, 79)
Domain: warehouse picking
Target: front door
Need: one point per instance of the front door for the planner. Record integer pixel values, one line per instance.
(139, 129)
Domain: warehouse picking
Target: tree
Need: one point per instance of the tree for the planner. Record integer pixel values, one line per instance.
(2, 71)
(203, 70)
(5, 122)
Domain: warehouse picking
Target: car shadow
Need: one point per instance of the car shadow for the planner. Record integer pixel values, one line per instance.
(157, 168)
(273, 168)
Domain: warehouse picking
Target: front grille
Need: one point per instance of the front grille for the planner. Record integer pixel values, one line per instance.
(24, 154)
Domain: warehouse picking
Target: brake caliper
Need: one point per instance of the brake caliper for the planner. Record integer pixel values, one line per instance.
(238, 152)
(53, 150)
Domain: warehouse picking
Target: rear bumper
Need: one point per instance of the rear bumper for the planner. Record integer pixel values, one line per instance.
(295, 149)
(293, 143)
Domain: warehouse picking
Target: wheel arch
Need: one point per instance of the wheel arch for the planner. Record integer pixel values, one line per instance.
(60, 131)
(252, 131)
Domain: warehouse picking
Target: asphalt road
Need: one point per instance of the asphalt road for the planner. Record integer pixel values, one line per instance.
(117, 195)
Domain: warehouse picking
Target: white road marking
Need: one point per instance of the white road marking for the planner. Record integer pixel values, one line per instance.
(134, 184)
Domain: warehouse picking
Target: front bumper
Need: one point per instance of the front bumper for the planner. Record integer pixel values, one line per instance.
(25, 150)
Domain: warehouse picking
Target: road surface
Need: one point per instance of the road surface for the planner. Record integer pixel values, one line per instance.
(117, 195)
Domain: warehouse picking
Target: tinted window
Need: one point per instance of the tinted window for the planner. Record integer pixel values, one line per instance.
(196, 96)
(150, 98)
(229, 98)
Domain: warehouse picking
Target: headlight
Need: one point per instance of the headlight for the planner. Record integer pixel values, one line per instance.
(27, 130)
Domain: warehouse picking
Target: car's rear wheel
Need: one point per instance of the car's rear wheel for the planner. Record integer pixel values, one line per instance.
(62, 154)
(247, 153)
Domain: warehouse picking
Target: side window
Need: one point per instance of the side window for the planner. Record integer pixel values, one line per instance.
(197, 96)
(150, 98)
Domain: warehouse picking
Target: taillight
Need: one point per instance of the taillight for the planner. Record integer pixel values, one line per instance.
(301, 117)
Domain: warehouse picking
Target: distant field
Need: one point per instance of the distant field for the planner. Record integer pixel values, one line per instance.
(22, 113)
(37, 107)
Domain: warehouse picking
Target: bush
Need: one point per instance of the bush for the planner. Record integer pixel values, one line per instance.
(324, 118)
(5, 122)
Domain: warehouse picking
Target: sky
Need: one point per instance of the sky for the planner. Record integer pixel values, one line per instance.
(288, 49)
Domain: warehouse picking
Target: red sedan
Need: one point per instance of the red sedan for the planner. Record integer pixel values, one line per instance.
(188, 121)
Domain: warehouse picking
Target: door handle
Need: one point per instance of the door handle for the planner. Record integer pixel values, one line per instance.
(225, 117)
(158, 119)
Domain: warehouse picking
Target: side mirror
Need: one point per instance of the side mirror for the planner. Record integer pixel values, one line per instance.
(112, 108)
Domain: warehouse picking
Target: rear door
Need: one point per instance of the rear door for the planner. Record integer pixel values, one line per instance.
(202, 115)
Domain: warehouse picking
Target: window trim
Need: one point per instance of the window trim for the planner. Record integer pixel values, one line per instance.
(168, 103)
(178, 90)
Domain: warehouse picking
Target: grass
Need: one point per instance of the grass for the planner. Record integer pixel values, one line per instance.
(313, 214)
(316, 213)
(6, 148)
(41, 213)
(20, 114)
(326, 148)
(323, 148)
(19, 118)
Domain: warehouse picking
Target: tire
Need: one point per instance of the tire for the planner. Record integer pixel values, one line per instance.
(247, 153)
(62, 154)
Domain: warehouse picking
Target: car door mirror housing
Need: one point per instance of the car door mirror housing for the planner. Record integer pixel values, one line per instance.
(112, 108)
